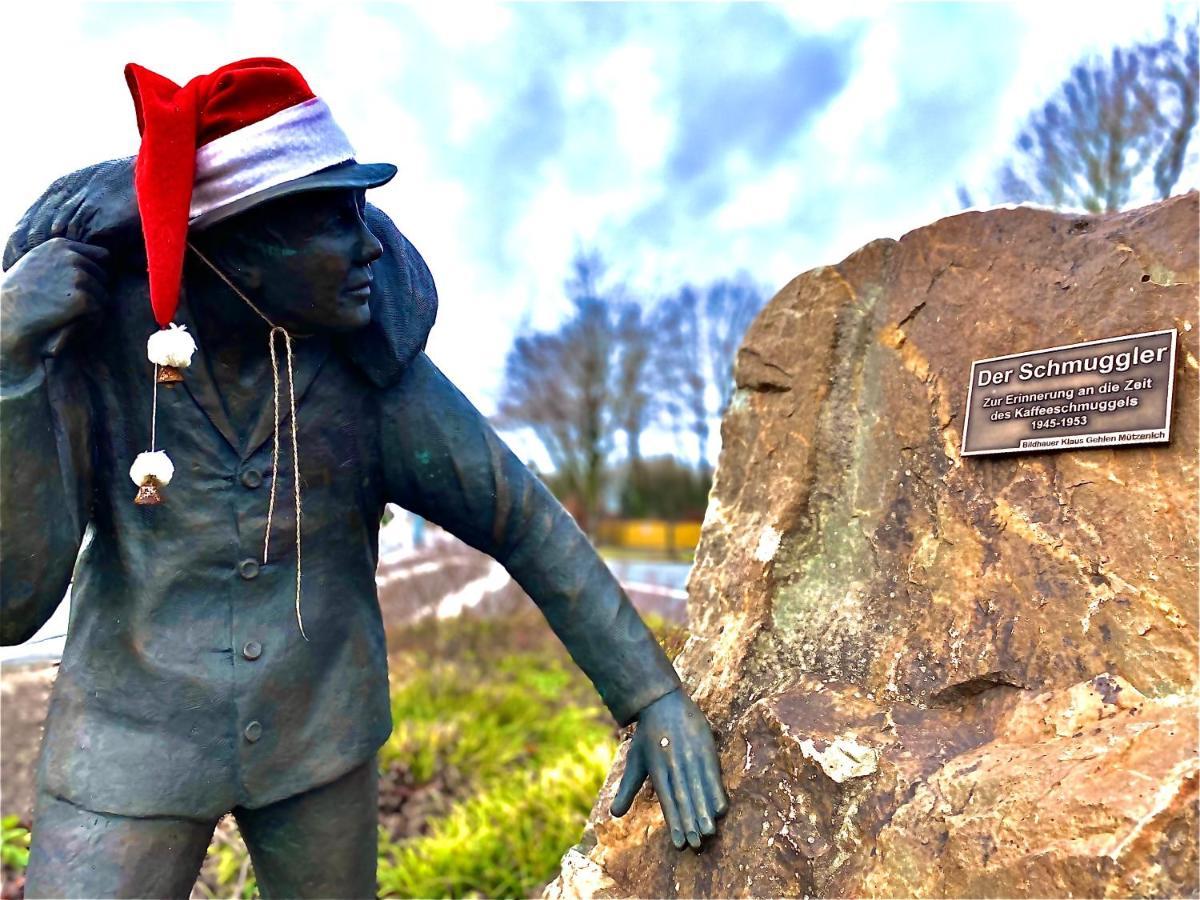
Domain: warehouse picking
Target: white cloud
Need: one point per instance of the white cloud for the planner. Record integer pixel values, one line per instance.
(629, 79)
(459, 25)
(432, 88)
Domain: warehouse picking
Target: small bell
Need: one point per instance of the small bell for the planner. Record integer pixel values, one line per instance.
(151, 471)
(148, 494)
(171, 349)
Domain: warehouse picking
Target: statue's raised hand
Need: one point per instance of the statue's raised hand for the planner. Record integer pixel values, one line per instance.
(43, 299)
(95, 205)
(674, 744)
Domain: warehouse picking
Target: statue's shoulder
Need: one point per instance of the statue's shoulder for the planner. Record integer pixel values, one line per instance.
(403, 306)
(95, 204)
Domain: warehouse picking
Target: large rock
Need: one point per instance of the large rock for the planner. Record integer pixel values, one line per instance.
(930, 675)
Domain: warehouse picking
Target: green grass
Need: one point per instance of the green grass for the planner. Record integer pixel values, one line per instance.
(14, 844)
(527, 732)
(527, 737)
(507, 839)
(485, 725)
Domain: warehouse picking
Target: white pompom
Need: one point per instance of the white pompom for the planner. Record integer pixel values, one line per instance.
(171, 346)
(156, 465)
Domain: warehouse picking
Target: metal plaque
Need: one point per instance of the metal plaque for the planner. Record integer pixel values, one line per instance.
(1074, 397)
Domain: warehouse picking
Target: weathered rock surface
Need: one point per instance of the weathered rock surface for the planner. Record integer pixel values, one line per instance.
(930, 675)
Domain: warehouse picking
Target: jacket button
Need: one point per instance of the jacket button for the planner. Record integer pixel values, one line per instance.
(253, 731)
(252, 650)
(252, 478)
(248, 568)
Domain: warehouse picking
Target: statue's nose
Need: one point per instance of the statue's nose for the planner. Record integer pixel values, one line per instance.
(369, 248)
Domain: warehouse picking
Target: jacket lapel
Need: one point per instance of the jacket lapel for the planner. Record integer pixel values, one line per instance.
(308, 355)
(199, 381)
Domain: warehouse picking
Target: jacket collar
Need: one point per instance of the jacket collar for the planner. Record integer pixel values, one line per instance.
(309, 354)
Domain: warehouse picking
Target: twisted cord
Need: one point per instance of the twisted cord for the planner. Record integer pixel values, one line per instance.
(275, 439)
(233, 287)
(287, 343)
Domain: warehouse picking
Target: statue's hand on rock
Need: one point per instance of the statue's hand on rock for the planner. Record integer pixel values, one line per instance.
(42, 300)
(674, 744)
(96, 205)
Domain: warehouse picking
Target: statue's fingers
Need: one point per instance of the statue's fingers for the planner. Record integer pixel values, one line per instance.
(79, 227)
(699, 792)
(710, 764)
(94, 252)
(38, 223)
(90, 279)
(94, 275)
(90, 259)
(631, 781)
(93, 295)
(89, 286)
(64, 216)
(662, 789)
(683, 799)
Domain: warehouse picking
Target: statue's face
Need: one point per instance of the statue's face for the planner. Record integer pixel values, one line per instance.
(304, 259)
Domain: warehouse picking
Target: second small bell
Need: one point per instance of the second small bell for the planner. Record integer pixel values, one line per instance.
(151, 471)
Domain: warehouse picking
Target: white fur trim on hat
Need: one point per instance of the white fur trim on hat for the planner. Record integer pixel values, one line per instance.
(152, 464)
(290, 144)
(171, 346)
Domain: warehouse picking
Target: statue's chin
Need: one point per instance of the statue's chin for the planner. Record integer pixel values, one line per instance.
(359, 318)
(345, 320)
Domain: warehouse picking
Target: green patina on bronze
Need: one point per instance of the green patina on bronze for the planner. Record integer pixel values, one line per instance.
(186, 688)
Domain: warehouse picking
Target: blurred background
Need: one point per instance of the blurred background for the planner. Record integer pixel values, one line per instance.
(607, 194)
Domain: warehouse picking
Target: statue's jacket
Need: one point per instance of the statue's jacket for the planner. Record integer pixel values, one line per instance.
(185, 686)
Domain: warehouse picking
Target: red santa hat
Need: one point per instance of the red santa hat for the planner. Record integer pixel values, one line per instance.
(249, 131)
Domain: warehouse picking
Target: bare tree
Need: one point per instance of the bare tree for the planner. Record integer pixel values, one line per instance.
(578, 386)
(634, 344)
(1175, 64)
(612, 368)
(699, 333)
(1110, 120)
(729, 308)
(680, 365)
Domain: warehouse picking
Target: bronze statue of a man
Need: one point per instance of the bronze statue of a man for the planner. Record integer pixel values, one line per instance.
(225, 649)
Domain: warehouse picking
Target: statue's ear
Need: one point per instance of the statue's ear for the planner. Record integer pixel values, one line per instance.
(403, 307)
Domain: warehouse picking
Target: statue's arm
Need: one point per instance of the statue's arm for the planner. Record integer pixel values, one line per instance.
(45, 431)
(444, 462)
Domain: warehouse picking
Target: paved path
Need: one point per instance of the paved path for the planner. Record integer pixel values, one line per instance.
(446, 581)
(47, 644)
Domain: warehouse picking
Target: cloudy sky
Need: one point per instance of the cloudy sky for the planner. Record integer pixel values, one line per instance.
(685, 142)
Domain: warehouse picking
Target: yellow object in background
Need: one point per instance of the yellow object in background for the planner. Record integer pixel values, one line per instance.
(649, 534)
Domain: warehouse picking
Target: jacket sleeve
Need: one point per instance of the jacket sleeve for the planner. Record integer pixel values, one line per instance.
(443, 461)
(45, 491)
